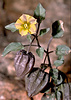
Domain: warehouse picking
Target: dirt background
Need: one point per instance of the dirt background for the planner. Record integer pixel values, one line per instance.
(11, 87)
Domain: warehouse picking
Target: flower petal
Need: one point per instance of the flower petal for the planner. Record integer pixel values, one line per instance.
(26, 20)
(18, 23)
(27, 17)
(23, 17)
(31, 19)
(18, 26)
(32, 29)
(23, 32)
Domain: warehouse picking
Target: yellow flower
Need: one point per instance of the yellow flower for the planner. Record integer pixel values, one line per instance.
(26, 24)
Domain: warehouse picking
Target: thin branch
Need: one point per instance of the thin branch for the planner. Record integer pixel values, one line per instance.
(38, 42)
(48, 53)
(34, 37)
(45, 59)
(31, 45)
(38, 29)
(49, 43)
(31, 98)
(38, 46)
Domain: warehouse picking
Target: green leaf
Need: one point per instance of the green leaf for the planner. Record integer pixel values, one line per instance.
(11, 27)
(44, 31)
(50, 97)
(58, 95)
(58, 63)
(44, 97)
(39, 13)
(57, 29)
(56, 76)
(62, 50)
(29, 37)
(47, 91)
(59, 81)
(54, 73)
(61, 58)
(14, 46)
(40, 52)
(66, 91)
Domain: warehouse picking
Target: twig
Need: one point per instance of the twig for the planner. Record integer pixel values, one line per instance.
(38, 46)
(34, 37)
(37, 42)
(49, 43)
(31, 45)
(31, 98)
(48, 53)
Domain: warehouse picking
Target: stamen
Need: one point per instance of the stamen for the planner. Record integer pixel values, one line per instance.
(25, 26)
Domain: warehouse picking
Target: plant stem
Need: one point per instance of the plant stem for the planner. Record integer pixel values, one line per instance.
(31, 98)
(38, 29)
(29, 45)
(48, 53)
(45, 59)
(34, 37)
(37, 46)
(38, 42)
(49, 43)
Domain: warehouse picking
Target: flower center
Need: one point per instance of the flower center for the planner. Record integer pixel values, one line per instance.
(25, 26)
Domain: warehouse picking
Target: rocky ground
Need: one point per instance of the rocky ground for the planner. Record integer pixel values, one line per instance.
(11, 87)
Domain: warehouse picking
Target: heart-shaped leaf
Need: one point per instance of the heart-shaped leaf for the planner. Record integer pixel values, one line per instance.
(40, 52)
(14, 46)
(58, 95)
(58, 63)
(50, 97)
(44, 31)
(66, 91)
(57, 29)
(62, 50)
(29, 37)
(61, 58)
(39, 13)
(11, 27)
(54, 73)
(36, 81)
(57, 76)
(44, 97)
